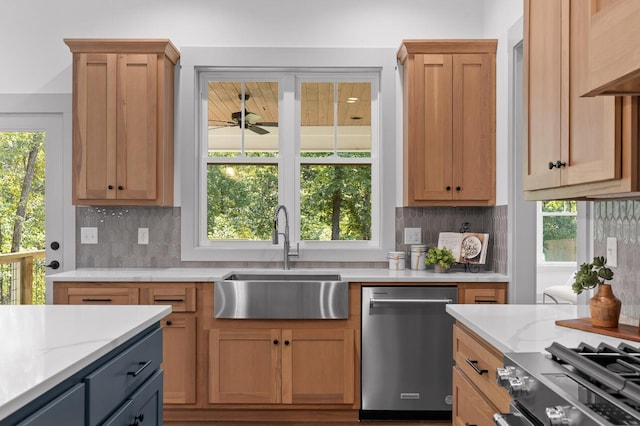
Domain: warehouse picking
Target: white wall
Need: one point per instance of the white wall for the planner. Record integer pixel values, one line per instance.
(499, 16)
(35, 59)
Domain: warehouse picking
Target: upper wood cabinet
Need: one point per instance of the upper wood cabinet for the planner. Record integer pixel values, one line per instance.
(574, 147)
(123, 99)
(613, 47)
(449, 122)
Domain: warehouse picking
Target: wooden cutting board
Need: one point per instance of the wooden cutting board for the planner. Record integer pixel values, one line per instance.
(622, 331)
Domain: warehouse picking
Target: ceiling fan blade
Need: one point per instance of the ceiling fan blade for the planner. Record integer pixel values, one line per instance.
(258, 130)
(267, 124)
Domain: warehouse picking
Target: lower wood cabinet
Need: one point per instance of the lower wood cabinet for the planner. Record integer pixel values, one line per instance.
(471, 407)
(282, 366)
(479, 293)
(476, 394)
(178, 329)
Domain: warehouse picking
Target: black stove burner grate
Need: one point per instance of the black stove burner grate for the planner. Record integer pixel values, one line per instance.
(614, 369)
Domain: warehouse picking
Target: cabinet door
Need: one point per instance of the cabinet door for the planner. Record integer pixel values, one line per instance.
(137, 121)
(430, 167)
(179, 358)
(593, 150)
(542, 95)
(94, 133)
(473, 128)
(67, 409)
(98, 295)
(244, 366)
(583, 136)
(318, 366)
(469, 406)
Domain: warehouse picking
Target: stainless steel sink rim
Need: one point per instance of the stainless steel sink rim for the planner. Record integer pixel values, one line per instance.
(281, 296)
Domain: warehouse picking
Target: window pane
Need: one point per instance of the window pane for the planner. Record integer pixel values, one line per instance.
(240, 201)
(335, 202)
(235, 119)
(559, 206)
(559, 238)
(331, 125)
(354, 119)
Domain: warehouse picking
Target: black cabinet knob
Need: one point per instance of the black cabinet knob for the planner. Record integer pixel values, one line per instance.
(275, 342)
(110, 187)
(458, 188)
(448, 188)
(551, 165)
(120, 187)
(560, 164)
(169, 322)
(286, 343)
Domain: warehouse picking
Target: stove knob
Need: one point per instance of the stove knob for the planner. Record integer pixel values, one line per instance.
(558, 416)
(517, 387)
(504, 374)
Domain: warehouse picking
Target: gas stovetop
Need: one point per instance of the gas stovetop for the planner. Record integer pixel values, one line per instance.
(576, 386)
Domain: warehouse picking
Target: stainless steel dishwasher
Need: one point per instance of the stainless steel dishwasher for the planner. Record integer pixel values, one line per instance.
(407, 352)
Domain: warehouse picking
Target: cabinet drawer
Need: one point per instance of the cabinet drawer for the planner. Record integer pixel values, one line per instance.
(469, 406)
(479, 362)
(181, 299)
(102, 296)
(112, 383)
(143, 408)
(67, 409)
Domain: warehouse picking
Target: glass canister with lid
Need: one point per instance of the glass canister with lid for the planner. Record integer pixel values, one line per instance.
(418, 254)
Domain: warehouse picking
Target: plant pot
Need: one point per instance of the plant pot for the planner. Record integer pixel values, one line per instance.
(605, 307)
(440, 269)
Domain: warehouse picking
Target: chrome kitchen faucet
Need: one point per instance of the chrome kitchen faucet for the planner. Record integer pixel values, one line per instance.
(276, 232)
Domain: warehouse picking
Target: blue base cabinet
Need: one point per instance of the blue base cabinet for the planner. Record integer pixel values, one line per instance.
(123, 388)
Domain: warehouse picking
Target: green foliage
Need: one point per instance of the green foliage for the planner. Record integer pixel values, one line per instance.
(591, 274)
(440, 256)
(335, 201)
(14, 151)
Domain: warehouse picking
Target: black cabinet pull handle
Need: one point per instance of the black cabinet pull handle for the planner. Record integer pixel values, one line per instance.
(286, 343)
(142, 365)
(139, 418)
(479, 301)
(474, 365)
(448, 188)
(97, 300)
(275, 342)
(168, 300)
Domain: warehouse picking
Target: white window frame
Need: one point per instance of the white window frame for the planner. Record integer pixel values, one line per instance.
(540, 215)
(358, 62)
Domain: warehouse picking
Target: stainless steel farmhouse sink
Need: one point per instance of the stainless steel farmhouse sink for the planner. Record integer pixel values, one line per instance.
(281, 295)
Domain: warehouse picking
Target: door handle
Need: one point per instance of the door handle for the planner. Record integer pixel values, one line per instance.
(373, 301)
(53, 265)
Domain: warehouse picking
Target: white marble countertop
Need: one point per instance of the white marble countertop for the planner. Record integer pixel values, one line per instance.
(527, 328)
(44, 345)
(217, 274)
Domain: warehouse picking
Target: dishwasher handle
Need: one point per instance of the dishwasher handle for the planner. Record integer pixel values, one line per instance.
(374, 301)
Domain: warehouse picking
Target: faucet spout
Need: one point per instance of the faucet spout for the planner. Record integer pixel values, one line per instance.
(275, 233)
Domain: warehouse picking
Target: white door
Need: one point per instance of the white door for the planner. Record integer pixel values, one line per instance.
(59, 214)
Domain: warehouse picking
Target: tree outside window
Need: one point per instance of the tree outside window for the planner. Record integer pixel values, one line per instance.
(558, 230)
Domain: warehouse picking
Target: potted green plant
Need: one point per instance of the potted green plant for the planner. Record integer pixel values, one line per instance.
(604, 305)
(441, 258)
